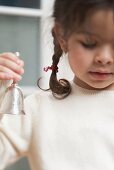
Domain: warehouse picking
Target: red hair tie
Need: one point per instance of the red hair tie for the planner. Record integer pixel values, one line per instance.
(53, 68)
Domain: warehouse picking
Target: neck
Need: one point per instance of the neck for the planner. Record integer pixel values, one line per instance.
(86, 86)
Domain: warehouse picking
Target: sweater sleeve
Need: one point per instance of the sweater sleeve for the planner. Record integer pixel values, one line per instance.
(15, 134)
(3, 86)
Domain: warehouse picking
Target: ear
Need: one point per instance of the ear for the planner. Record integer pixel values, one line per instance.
(60, 37)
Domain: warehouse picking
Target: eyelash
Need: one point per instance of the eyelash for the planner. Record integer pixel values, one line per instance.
(89, 46)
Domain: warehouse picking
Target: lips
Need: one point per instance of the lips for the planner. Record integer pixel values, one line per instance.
(100, 75)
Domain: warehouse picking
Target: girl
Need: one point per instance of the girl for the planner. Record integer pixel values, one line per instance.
(75, 133)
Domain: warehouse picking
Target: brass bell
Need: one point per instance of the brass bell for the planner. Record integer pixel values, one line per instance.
(13, 101)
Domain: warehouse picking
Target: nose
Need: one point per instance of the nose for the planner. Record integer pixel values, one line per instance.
(104, 57)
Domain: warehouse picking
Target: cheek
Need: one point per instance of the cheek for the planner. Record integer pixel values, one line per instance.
(77, 60)
(80, 60)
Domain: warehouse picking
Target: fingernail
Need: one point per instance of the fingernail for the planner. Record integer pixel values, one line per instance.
(18, 61)
(22, 71)
(19, 78)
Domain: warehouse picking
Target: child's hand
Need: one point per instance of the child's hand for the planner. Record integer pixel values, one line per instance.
(11, 67)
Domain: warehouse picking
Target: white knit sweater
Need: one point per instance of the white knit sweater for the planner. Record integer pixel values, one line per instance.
(76, 133)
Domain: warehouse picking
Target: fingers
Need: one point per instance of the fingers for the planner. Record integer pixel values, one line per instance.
(11, 67)
(15, 66)
(7, 73)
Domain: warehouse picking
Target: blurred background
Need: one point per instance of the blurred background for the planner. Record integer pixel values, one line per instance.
(22, 29)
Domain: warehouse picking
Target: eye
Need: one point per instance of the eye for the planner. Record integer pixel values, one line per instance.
(89, 45)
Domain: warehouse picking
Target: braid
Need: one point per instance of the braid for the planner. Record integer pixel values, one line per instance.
(60, 89)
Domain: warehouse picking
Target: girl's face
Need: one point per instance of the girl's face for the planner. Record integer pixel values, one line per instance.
(91, 51)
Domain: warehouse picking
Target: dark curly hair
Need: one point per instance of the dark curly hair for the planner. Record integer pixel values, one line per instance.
(70, 14)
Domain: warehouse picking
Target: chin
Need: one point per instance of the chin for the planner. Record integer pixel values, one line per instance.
(101, 86)
(92, 85)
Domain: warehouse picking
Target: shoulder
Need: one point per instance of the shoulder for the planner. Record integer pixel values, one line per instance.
(33, 101)
(37, 96)
(41, 99)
